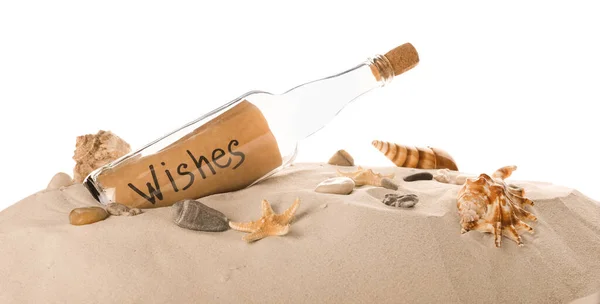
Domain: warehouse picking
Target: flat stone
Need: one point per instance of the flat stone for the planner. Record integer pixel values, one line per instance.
(87, 215)
(194, 215)
(418, 177)
(341, 158)
(336, 185)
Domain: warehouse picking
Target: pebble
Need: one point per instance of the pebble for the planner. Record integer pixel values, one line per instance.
(194, 215)
(87, 215)
(397, 200)
(336, 185)
(60, 180)
(120, 209)
(418, 177)
(341, 158)
(388, 184)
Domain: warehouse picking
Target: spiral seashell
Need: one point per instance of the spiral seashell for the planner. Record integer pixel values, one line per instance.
(416, 157)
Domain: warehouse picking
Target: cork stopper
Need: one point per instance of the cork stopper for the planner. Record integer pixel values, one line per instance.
(403, 58)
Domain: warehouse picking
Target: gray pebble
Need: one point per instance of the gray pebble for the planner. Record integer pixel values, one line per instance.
(194, 215)
(404, 201)
(388, 184)
(418, 177)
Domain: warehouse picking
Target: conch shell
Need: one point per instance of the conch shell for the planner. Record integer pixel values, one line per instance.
(487, 204)
(416, 157)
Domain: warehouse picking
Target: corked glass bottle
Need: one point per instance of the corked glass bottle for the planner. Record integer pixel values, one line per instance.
(240, 143)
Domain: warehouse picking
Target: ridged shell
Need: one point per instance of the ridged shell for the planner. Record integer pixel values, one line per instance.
(416, 157)
(487, 204)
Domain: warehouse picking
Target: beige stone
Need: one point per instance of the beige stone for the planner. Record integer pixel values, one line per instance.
(336, 185)
(87, 215)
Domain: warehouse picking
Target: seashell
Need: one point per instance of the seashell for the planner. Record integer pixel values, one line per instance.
(87, 215)
(416, 157)
(336, 185)
(504, 172)
(194, 215)
(397, 200)
(341, 158)
(451, 177)
(120, 209)
(368, 177)
(487, 204)
(418, 177)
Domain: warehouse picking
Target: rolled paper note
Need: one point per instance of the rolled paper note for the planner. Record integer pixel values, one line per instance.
(228, 153)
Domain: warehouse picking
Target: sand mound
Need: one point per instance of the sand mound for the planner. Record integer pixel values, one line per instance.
(341, 249)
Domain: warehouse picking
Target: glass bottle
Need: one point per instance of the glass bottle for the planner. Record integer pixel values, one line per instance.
(240, 143)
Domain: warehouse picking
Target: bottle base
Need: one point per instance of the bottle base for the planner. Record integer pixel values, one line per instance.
(96, 190)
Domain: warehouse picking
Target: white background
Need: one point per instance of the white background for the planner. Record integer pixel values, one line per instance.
(498, 84)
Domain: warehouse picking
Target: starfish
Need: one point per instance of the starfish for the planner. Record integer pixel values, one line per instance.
(367, 177)
(269, 224)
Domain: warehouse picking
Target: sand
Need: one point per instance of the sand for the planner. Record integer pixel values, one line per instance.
(341, 249)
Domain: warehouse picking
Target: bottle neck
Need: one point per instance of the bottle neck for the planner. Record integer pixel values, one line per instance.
(307, 108)
(374, 72)
(381, 68)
